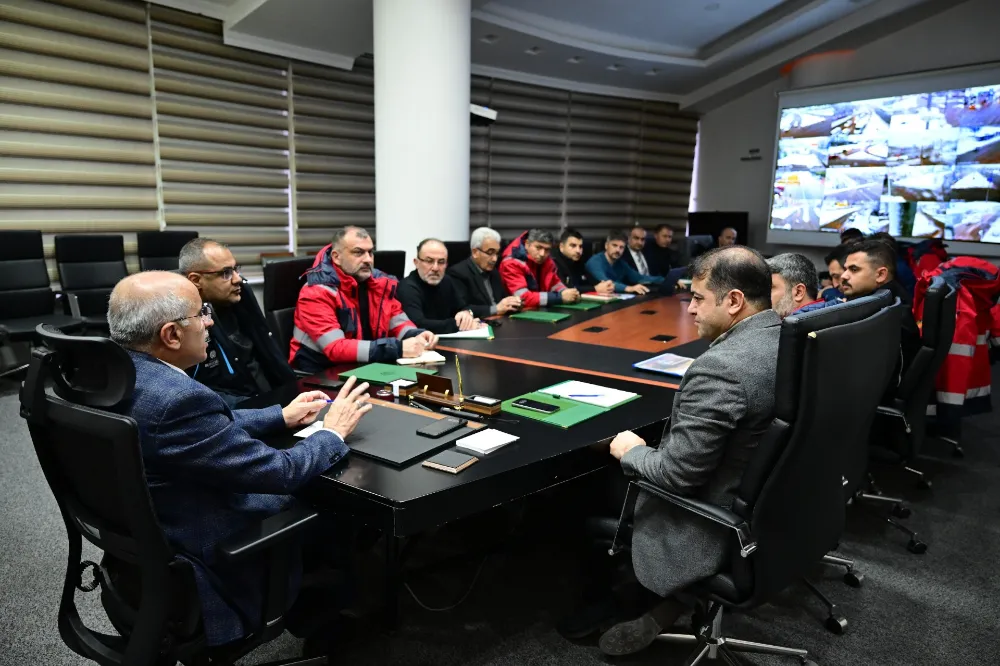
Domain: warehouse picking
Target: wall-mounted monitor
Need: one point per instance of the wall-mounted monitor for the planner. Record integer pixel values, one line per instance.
(918, 157)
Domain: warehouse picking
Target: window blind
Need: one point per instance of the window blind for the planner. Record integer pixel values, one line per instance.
(222, 118)
(76, 128)
(334, 118)
(665, 165)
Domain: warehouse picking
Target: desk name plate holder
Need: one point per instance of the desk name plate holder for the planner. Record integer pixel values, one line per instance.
(434, 390)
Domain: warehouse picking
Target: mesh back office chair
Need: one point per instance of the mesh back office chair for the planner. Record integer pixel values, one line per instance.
(282, 282)
(90, 265)
(159, 250)
(789, 507)
(93, 465)
(392, 262)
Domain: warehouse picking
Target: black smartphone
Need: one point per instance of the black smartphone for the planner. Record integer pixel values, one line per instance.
(441, 428)
(320, 381)
(535, 406)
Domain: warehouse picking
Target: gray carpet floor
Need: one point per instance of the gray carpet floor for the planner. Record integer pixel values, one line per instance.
(939, 608)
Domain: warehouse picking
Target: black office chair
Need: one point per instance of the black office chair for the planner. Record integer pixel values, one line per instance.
(93, 464)
(457, 251)
(26, 299)
(789, 507)
(282, 282)
(90, 265)
(905, 420)
(159, 250)
(392, 262)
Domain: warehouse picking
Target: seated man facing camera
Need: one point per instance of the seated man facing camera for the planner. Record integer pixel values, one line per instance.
(348, 312)
(794, 285)
(724, 406)
(609, 265)
(429, 296)
(529, 272)
(243, 358)
(209, 475)
(478, 284)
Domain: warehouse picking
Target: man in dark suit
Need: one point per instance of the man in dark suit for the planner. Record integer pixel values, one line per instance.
(720, 413)
(209, 475)
(659, 255)
(243, 358)
(478, 283)
(429, 297)
(634, 255)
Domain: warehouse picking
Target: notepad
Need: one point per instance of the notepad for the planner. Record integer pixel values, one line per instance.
(600, 298)
(582, 305)
(485, 441)
(591, 394)
(668, 364)
(482, 333)
(429, 356)
(384, 373)
(535, 315)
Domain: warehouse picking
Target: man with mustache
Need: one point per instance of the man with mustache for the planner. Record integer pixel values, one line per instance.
(610, 266)
(478, 282)
(243, 358)
(429, 297)
(348, 312)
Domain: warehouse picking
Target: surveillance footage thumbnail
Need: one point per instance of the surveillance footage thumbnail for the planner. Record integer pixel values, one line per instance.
(924, 165)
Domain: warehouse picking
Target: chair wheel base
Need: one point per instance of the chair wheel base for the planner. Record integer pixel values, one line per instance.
(836, 624)
(916, 547)
(900, 511)
(854, 579)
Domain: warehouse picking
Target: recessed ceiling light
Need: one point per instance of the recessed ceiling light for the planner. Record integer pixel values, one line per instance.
(576, 60)
(653, 72)
(614, 67)
(534, 50)
(711, 7)
(489, 39)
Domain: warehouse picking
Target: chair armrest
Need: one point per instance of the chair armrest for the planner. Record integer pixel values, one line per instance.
(270, 532)
(897, 413)
(74, 304)
(713, 512)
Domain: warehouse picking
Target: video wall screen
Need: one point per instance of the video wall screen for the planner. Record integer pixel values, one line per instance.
(918, 166)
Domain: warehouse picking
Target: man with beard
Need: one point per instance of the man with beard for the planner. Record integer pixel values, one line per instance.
(243, 359)
(571, 268)
(348, 311)
(429, 296)
(610, 266)
(794, 285)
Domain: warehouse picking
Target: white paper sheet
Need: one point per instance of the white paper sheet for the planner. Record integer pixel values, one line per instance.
(429, 356)
(592, 394)
(482, 333)
(485, 441)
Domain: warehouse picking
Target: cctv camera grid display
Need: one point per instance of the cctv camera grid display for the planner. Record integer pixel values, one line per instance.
(925, 165)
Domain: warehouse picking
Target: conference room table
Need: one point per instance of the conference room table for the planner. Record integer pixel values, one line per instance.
(597, 346)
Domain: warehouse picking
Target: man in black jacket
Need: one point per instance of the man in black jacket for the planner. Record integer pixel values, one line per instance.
(660, 257)
(571, 267)
(429, 296)
(243, 357)
(476, 280)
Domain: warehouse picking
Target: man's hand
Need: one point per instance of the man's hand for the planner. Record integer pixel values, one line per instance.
(570, 295)
(430, 340)
(465, 321)
(304, 408)
(345, 412)
(637, 289)
(509, 304)
(625, 442)
(605, 287)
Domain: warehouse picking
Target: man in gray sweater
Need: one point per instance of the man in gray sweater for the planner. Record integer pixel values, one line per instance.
(724, 405)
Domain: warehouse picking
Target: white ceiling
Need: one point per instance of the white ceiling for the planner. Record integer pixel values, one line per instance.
(693, 52)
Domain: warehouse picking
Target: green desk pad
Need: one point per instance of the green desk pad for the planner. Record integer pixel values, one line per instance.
(582, 305)
(570, 412)
(384, 373)
(535, 315)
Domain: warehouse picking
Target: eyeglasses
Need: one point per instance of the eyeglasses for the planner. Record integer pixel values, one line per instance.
(488, 253)
(226, 273)
(205, 313)
(433, 262)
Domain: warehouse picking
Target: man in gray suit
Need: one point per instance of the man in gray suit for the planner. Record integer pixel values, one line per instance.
(723, 407)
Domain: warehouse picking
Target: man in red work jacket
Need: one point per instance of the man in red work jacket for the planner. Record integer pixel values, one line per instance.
(528, 271)
(348, 313)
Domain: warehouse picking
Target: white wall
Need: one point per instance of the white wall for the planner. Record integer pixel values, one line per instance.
(964, 35)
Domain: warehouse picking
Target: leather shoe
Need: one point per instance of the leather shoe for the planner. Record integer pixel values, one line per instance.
(588, 620)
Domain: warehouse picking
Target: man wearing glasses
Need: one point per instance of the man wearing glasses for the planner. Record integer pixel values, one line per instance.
(243, 358)
(348, 311)
(478, 284)
(429, 297)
